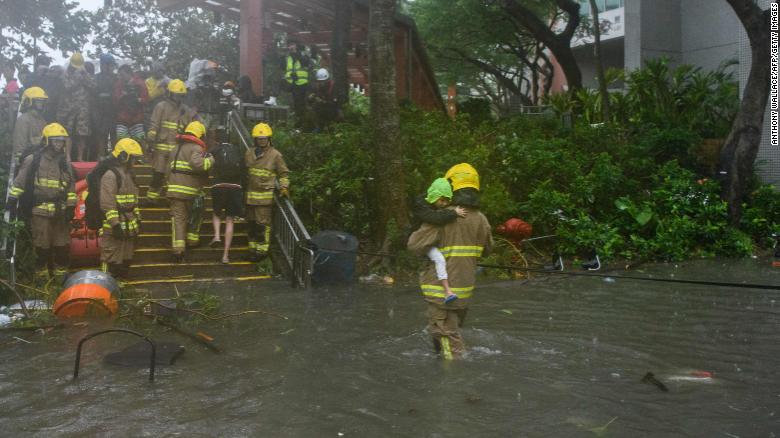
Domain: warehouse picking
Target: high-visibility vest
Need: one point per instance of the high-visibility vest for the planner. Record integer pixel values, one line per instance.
(294, 74)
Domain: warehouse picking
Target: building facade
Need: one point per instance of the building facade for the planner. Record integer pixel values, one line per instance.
(703, 33)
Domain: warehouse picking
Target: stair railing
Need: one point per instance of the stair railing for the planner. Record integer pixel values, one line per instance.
(287, 230)
(8, 108)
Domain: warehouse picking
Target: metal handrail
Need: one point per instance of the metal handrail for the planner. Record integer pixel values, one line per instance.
(287, 230)
(12, 109)
(152, 356)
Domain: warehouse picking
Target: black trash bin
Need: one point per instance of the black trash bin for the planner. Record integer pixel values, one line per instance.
(334, 257)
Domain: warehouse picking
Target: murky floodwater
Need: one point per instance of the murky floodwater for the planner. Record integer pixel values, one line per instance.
(559, 357)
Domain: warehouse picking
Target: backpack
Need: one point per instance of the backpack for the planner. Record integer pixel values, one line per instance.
(93, 215)
(228, 163)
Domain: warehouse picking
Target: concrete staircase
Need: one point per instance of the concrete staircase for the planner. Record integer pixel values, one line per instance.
(153, 262)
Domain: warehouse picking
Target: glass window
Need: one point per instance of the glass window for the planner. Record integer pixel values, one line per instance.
(613, 4)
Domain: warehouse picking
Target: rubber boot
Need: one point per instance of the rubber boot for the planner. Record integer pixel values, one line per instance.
(252, 236)
(42, 266)
(153, 194)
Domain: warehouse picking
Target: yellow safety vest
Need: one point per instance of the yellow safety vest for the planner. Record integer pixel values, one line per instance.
(294, 70)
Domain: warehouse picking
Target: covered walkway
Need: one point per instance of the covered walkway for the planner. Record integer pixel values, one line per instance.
(312, 22)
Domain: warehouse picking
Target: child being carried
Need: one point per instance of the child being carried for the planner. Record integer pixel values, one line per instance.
(431, 209)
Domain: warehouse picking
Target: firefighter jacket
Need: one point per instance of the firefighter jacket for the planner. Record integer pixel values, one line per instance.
(295, 71)
(54, 193)
(461, 242)
(27, 131)
(119, 201)
(263, 168)
(188, 169)
(167, 120)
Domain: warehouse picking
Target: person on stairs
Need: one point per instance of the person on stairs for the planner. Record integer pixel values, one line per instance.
(265, 166)
(168, 119)
(227, 193)
(187, 175)
(119, 203)
(44, 195)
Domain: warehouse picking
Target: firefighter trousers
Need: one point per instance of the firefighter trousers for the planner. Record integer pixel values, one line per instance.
(444, 326)
(180, 215)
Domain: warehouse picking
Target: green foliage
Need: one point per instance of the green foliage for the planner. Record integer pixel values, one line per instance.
(141, 32)
(761, 215)
(26, 24)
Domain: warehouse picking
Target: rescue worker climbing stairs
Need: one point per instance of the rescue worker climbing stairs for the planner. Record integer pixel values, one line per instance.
(187, 175)
(265, 165)
(168, 119)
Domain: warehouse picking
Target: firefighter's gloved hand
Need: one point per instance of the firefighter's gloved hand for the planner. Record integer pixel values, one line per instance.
(118, 232)
(284, 192)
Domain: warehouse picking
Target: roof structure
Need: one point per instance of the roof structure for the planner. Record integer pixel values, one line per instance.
(312, 22)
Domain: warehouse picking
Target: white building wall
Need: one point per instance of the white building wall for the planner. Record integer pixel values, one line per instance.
(710, 33)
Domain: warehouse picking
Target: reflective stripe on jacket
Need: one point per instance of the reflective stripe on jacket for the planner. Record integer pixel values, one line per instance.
(461, 242)
(166, 121)
(294, 73)
(263, 172)
(119, 202)
(53, 188)
(188, 170)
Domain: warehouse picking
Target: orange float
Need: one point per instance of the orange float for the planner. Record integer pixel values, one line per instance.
(88, 293)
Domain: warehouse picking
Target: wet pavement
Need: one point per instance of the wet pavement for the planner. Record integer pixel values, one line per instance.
(558, 356)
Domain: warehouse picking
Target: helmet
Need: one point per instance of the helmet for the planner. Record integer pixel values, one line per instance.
(107, 58)
(322, 74)
(440, 188)
(262, 130)
(126, 148)
(195, 128)
(463, 175)
(52, 131)
(177, 86)
(33, 93)
(77, 60)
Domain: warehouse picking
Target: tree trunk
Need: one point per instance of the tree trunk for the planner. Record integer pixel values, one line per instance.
(594, 12)
(338, 54)
(560, 43)
(739, 152)
(390, 196)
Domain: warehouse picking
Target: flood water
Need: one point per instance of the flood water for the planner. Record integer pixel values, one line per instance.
(557, 357)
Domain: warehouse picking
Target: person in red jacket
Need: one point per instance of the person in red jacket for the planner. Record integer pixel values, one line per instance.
(130, 97)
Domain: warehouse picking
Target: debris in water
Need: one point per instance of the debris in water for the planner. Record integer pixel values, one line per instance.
(602, 430)
(473, 399)
(287, 332)
(609, 280)
(650, 379)
(507, 311)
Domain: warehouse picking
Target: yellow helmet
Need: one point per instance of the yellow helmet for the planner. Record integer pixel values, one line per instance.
(53, 130)
(195, 128)
(463, 175)
(77, 60)
(177, 86)
(126, 148)
(33, 93)
(262, 130)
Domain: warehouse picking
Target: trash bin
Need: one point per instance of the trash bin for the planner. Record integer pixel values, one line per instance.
(334, 257)
(88, 293)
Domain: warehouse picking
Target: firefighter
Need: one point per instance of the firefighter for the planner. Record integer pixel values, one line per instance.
(119, 203)
(30, 123)
(168, 119)
(187, 174)
(461, 242)
(44, 193)
(265, 165)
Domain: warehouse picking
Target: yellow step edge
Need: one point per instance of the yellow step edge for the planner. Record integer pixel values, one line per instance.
(190, 264)
(232, 248)
(197, 280)
(240, 221)
(202, 235)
